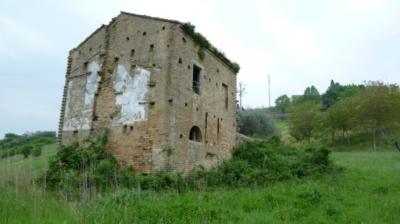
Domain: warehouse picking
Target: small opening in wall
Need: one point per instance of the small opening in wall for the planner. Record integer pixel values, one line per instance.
(151, 47)
(195, 134)
(197, 109)
(163, 28)
(144, 33)
(184, 40)
(170, 100)
(154, 65)
(116, 59)
(218, 126)
(75, 133)
(209, 79)
(90, 49)
(189, 67)
(131, 128)
(226, 94)
(95, 118)
(217, 70)
(132, 52)
(196, 79)
(180, 136)
(127, 38)
(186, 104)
(180, 60)
(85, 65)
(167, 45)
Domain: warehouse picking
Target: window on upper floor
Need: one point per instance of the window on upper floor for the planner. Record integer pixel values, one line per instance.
(196, 79)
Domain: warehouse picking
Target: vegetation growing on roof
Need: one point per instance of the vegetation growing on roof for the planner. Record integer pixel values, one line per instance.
(205, 44)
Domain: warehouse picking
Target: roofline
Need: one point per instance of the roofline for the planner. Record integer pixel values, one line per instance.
(153, 18)
(87, 38)
(224, 59)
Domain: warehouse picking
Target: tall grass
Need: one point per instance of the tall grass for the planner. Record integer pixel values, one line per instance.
(368, 191)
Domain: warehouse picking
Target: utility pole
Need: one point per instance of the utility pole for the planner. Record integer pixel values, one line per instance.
(242, 91)
(269, 91)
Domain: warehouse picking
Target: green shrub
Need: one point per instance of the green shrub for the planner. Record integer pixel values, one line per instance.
(256, 122)
(37, 151)
(88, 166)
(26, 151)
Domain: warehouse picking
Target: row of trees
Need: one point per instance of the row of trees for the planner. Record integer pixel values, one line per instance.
(343, 111)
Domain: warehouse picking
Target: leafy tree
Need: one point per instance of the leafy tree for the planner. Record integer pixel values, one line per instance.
(256, 122)
(37, 151)
(312, 94)
(282, 103)
(26, 151)
(340, 117)
(336, 92)
(303, 120)
(378, 107)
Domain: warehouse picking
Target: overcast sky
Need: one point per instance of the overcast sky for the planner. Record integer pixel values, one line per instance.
(299, 43)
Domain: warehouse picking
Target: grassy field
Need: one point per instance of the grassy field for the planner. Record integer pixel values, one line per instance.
(367, 191)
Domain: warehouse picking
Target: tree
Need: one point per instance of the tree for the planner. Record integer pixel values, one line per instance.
(303, 120)
(340, 117)
(256, 122)
(282, 103)
(312, 94)
(26, 151)
(378, 107)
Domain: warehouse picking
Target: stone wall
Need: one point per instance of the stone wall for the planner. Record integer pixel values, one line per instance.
(133, 78)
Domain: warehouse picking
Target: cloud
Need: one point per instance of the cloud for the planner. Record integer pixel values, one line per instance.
(18, 38)
(294, 40)
(366, 5)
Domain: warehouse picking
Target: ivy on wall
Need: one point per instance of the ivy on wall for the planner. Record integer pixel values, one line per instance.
(205, 44)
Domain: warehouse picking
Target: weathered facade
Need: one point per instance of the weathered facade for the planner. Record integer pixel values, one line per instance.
(141, 79)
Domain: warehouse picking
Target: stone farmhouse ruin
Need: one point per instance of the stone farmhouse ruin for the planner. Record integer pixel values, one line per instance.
(166, 100)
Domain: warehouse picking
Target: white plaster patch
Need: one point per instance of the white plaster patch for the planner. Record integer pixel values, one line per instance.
(131, 91)
(80, 98)
(92, 82)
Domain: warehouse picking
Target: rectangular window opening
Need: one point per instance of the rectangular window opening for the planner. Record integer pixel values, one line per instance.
(226, 96)
(196, 79)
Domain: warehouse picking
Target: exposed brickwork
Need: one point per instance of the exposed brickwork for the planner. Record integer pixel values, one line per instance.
(149, 129)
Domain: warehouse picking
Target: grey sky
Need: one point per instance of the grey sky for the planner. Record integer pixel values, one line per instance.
(300, 43)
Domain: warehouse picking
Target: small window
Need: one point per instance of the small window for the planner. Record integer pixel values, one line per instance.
(225, 87)
(195, 134)
(196, 79)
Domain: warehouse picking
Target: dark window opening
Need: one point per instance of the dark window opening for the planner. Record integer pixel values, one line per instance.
(180, 136)
(180, 60)
(116, 59)
(132, 52)
(196, 79)
(218, 126)
(90, 49)
(75, 133)
(151, 47)
(144, 33)
(127, 38)
(195, 134)
(226, 95)
(163, 27)
(85, 66)
(205, 127)
(184, 40)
